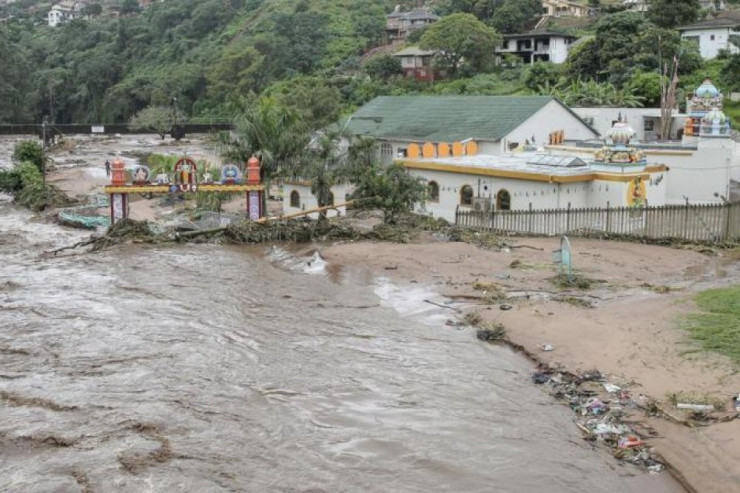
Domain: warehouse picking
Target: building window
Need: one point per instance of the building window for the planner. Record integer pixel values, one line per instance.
(711, 37)
(466, 195)
(331, 199)
(649, 125)
(503, 200)
(433, 191)
(386, 149)
(295, 199)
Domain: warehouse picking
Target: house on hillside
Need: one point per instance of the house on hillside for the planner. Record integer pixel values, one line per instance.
(713, 5)
(458, 125)
(63, 12)
(417, 63)
(536, 46)
(636, 5)
(713, 34)
(399, 24)
(564, 8)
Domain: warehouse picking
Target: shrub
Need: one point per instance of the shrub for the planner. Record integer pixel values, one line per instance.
(29, 151)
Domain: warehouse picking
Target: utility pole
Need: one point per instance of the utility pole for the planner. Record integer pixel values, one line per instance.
(43, 159)
(51, 102)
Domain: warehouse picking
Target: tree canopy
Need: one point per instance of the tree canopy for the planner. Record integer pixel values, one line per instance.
(672, 13)
(460, 37)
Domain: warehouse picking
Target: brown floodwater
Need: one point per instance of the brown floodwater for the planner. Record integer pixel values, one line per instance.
(207, 368)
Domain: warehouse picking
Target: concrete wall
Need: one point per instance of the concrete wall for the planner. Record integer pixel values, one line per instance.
(604, 118)
(696, 174)
(541, 195)
(708, 47)
(558, 50)
(553, 116)
(308, 201)
(700, 174)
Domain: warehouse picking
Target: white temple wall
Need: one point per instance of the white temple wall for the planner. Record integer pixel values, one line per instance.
(541, 195)
(308, 201)
(552, 117)
(698, 175)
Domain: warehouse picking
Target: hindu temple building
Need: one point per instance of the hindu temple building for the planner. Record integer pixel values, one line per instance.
(615, 175)
(703, 163)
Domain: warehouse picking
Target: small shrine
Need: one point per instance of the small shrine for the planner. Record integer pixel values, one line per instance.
(617, 150)
(714, 124)
(706, 99)
(184, 179)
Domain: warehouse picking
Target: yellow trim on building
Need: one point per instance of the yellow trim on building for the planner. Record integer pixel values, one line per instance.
(652, 152)
(667, 152)
(523, 175)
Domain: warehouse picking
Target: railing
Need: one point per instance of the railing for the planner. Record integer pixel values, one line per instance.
(194, 127)
(707, 223)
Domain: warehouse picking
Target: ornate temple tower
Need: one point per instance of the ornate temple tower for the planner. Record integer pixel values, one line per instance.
(705, 99)
(617, 156)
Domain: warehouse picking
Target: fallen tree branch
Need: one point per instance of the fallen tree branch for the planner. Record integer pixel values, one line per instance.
(77, 245)
(442, 306)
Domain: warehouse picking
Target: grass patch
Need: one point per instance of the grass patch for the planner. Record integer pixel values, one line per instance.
(572, 300)
(717, 328)
(573, 281)
(492, 292)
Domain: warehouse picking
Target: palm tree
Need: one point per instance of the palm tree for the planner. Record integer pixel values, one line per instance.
(273, 133)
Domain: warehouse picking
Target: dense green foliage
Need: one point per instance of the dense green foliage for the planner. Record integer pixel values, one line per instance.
(461, 37)
(214, 56)
(672, 13)
(390, 189)
(506, 16)
(26, 184)
(29, 151)
(627, 43)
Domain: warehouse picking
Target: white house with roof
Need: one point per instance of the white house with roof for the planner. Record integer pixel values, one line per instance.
(63, 12)
(450, 125)
(558, 8)
(537, 46)
(713, 35)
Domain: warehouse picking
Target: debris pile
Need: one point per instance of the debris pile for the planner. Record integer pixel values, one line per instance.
(601, 408)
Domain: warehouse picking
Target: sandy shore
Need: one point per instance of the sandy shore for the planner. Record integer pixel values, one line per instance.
(630, 333)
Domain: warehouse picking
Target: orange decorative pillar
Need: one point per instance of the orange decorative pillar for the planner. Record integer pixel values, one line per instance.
(254, 197)
(118, 173)
(118, 201)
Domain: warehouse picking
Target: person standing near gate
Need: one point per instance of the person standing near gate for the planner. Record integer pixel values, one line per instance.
(107, 168)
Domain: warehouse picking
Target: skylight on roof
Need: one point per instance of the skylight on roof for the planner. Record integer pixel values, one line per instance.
(559, 161)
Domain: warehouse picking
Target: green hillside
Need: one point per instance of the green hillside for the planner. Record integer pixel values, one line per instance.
(202, 57)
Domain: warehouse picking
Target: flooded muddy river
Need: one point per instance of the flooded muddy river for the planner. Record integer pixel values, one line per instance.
(206, 368)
